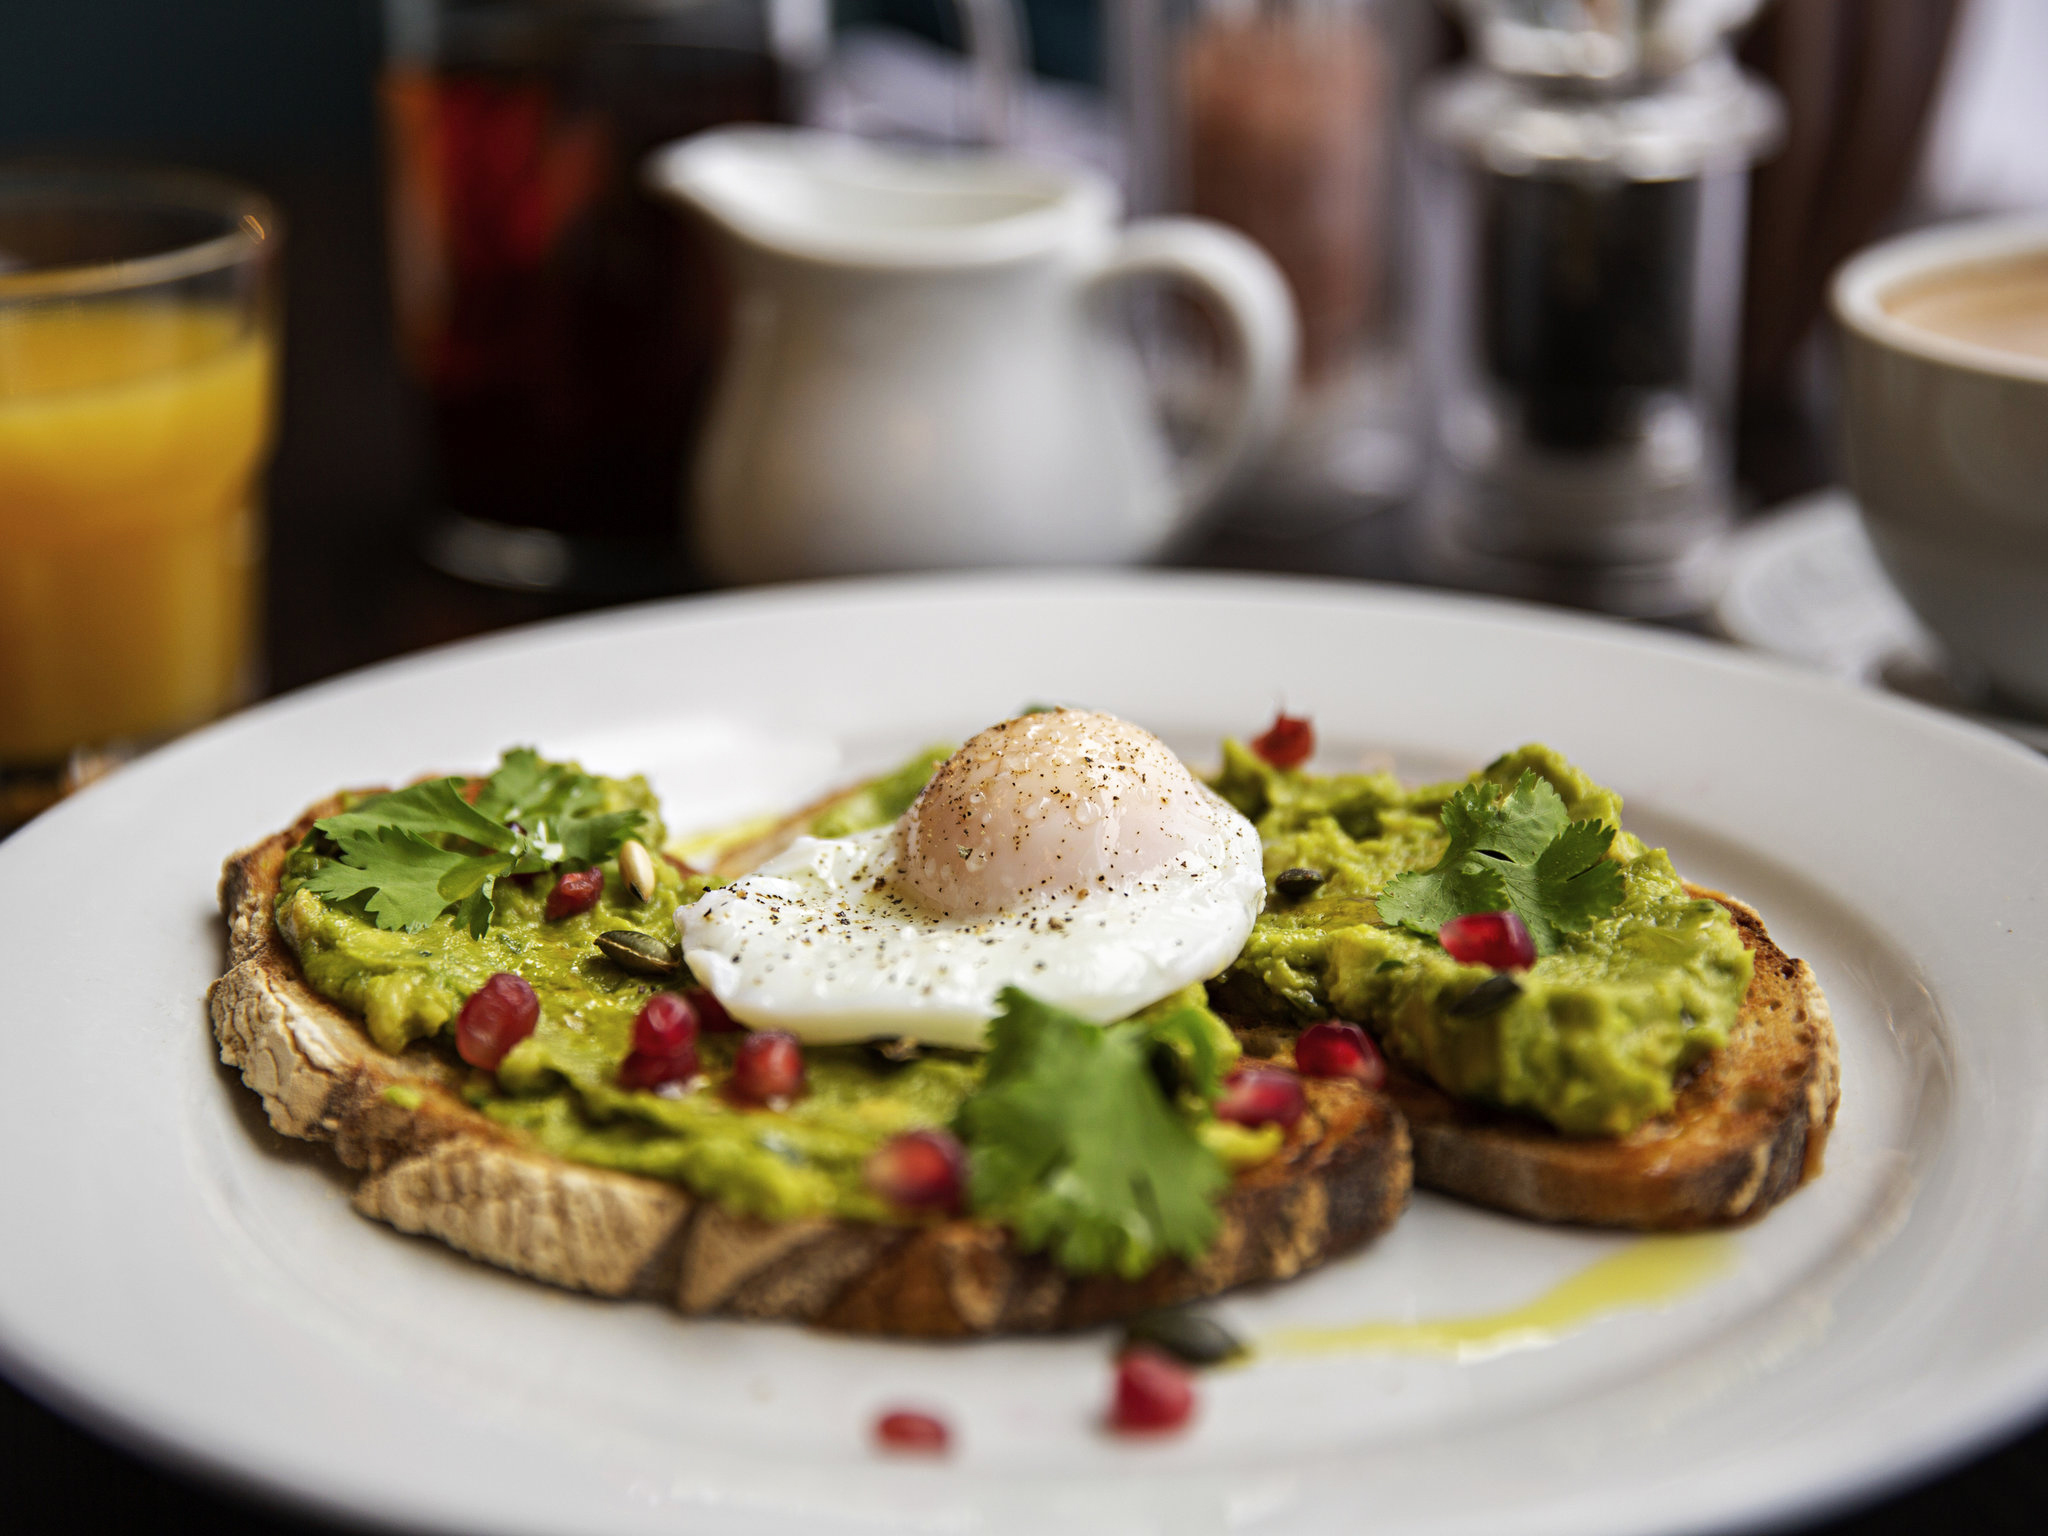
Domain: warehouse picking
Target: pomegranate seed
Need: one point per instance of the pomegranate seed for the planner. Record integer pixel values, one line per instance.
(667, 1026)
(919, 1171)
(1336, 1049)
(1288, 742)
(1498, 939)
(904, 1429)
(768, 1068)
(711, 1015)
(640, 1070)
(1154, 1392)
(1261, 1096)
(498, 1015)
(664, 1044)
(576, 891)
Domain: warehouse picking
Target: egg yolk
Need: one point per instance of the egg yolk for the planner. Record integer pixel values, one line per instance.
(1061, 804)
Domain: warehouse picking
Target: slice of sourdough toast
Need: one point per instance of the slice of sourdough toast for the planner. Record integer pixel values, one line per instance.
(433, 1165)
(1748, 1128)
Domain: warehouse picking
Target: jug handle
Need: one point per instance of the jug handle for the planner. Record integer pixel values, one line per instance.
(1257, 311)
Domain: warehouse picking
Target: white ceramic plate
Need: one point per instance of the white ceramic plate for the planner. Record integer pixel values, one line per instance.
(181, 1279)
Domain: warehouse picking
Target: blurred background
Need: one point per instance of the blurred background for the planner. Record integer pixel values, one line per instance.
(1557, 268)
(1894, 112)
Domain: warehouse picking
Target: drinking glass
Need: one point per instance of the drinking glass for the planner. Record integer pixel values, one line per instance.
(138, 365)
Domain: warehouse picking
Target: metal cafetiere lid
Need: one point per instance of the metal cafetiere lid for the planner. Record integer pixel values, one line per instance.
(1710, 116)
(1600, 43)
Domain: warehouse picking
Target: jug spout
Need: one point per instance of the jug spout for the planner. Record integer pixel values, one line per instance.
(826, 198)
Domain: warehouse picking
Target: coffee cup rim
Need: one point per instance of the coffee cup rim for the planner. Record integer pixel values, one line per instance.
(1860, 285)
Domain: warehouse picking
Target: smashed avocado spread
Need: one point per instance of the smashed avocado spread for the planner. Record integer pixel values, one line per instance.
(1591, 1038)
(1111, 1173)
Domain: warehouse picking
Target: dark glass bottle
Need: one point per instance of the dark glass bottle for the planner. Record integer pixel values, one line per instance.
(561, 321)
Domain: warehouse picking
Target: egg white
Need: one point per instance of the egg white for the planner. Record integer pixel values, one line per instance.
(828, 941)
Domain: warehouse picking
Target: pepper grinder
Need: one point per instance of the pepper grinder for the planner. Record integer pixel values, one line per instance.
(1583, 188)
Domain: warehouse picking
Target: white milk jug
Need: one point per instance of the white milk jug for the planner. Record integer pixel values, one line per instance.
(919, 372)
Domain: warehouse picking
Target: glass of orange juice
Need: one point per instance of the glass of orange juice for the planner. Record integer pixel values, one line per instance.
(138, 369)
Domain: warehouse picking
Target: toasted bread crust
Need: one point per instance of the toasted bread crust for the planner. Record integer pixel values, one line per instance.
(444, 1170)
(1748, 1129)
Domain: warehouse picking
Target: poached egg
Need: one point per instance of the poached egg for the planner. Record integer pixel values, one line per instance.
(1067, 852)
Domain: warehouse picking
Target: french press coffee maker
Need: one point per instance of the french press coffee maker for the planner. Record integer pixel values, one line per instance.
(1584, 193)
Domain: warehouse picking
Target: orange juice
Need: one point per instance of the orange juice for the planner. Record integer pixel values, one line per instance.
(132, 438)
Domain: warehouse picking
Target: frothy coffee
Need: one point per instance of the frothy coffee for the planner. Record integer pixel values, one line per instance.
(2002, 305)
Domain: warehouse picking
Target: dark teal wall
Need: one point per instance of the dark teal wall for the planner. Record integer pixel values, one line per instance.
(244, 82)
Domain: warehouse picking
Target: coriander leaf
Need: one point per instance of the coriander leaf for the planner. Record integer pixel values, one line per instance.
(1511, 852)
(430, 809)
(1573, 883)
(528, 789)
(1516, 828)
(1424, 900)
(558, 803)
(1075, 1148)
(1457, 883)
(529, 816)
(477, 909)
(409, 880)
(587, 839)
(520, 779)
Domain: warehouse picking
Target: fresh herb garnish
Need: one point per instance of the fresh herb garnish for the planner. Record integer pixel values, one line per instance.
(1076, 1147)
(527, 792)
(1516, 852)
(414, 853)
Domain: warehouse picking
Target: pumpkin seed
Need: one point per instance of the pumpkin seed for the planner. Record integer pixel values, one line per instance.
(892, 1054)
(636, 864)
(1297, 883)
(1490, 996)
(1185, 1335)
(641, 953)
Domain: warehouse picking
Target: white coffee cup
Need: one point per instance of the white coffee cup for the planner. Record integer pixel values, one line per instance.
(919, 374)
(1946, 415)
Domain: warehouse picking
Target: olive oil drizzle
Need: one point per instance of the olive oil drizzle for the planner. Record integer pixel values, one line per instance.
(1651, 1273)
